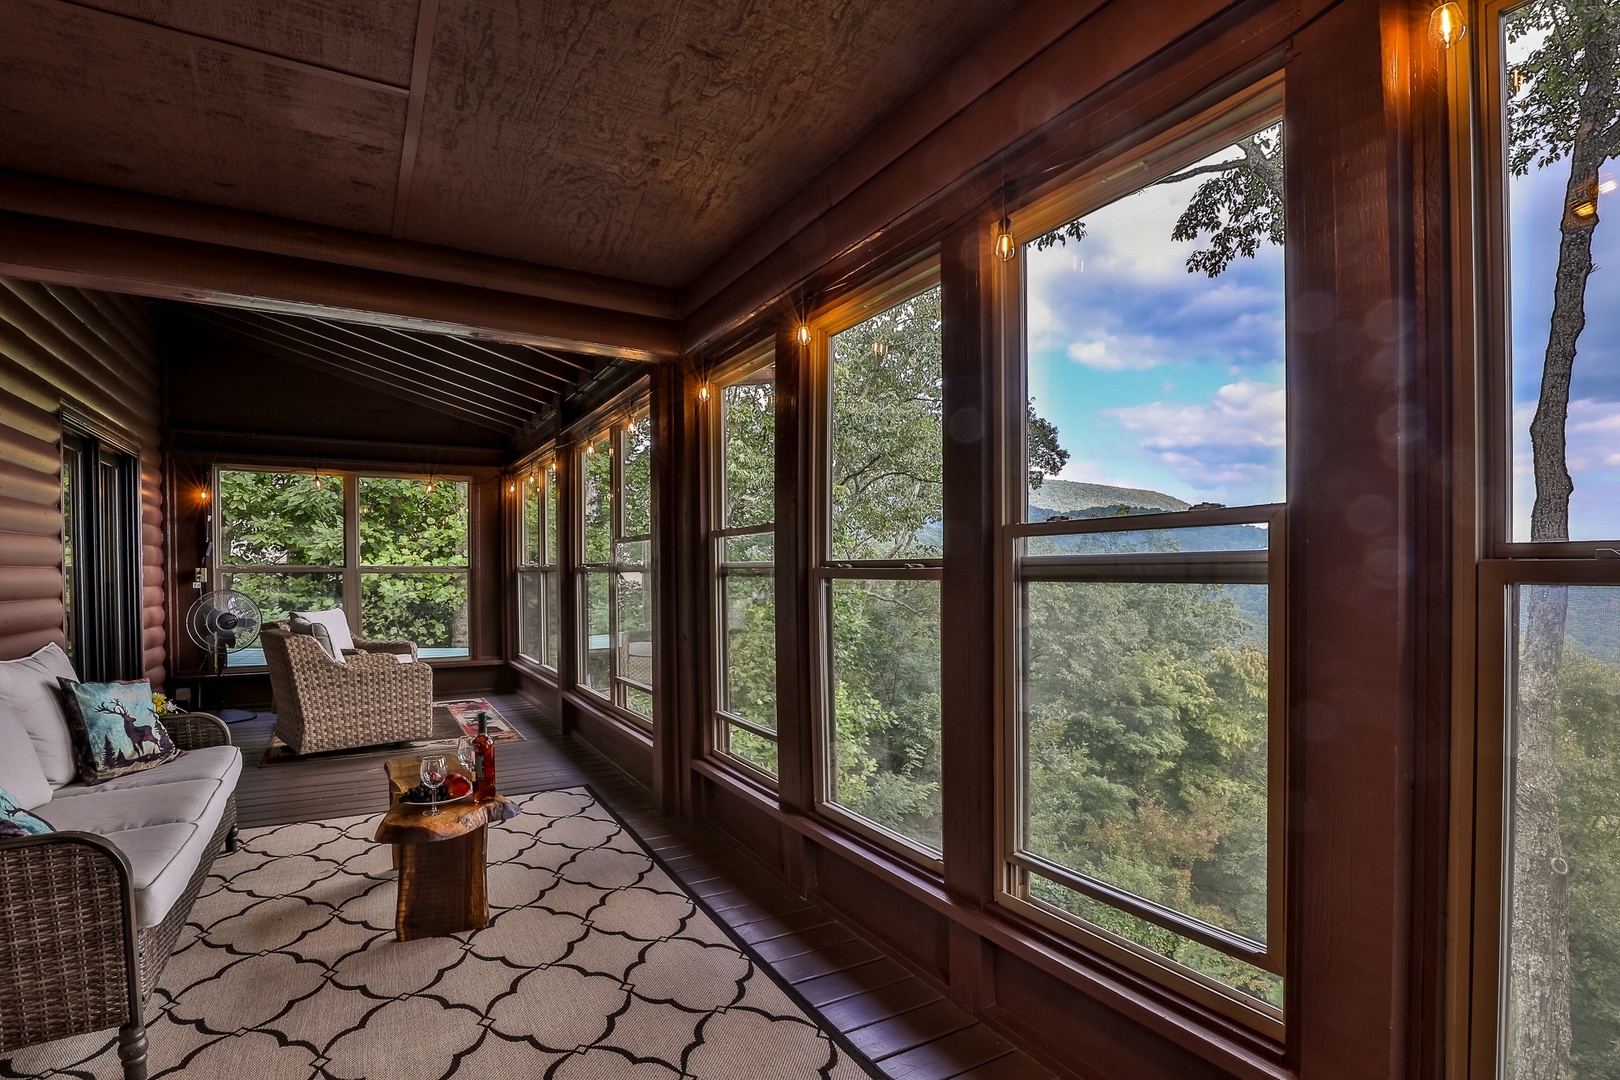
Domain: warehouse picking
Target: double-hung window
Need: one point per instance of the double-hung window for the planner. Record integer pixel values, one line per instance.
(101, 554)
(743, 539)
(1145, 314)
(1546, 813)
(391, 551)
(615, 574)
(537, 567)
(878, 564)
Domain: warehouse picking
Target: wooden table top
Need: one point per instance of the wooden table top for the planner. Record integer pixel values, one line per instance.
(407, 824)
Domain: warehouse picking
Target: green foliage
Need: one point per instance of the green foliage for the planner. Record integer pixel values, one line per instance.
(1046, 456)
(1569, 86)
(637, 477)
(748, 413)
(402, 523)
(1060, 236)
(280, 518)
(1240, 209)
(598, 503)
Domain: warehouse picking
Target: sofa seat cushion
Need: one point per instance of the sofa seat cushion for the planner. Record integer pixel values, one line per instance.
(29, 691)
(106, 812)
(221, 763)
(20, 771)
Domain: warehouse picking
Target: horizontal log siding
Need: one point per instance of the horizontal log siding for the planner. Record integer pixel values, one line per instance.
(95, 353)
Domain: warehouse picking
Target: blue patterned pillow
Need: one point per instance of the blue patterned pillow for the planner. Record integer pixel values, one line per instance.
(115, 728)
(15, 821)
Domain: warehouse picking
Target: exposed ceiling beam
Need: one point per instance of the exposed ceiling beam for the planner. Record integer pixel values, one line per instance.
(89, 204)
(260, 347)
(285, 341)
(96, 257)
(427, 17)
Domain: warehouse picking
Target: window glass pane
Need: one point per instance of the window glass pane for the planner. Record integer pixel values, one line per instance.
(754, 548)
(752, 748)
(1561, 968)
(1144, 735)
(885, 705)
(70, 464)
(1155, 344)
(1247, 537)
(748, 688)
(529, 547)
(638, 701)
(429, 609)
(551, 553)
(598, 633)
(748, 433)
(530, 643)
(275, 518)
(553, 623)
(597, 503)
(886, 470)
(278, 596)
(634, 632)
(635, 553)
(1243, 977)
(637, 441)
(1564, 336)
(403, 523)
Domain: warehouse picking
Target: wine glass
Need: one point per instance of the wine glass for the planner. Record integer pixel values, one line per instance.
(433, 770)
(464, 754)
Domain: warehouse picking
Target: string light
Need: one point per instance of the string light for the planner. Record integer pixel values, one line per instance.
(318, 482)
(590, 449)
(1006, 246)
(1447, 26)
(511, 487)
(202, 494)
(802, 334)
(703, 392)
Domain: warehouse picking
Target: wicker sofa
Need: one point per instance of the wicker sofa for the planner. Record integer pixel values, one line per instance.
(370, 699)
(90, 912)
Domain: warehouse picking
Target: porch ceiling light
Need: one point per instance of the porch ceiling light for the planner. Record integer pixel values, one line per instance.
(1447, 26)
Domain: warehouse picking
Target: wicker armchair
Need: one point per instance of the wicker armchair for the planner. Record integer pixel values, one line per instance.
(72, 958)
(369, 700)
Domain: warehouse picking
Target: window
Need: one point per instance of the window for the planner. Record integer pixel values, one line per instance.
(615, 576)
(1548, 703)
(101, 556)
(1143, 758)
(743, 539)
(391, 551)
(537, 568)
(879, 566)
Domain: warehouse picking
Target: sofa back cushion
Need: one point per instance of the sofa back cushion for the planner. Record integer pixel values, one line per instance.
(15, 820)
(20, 771)
(115, 729)
(29, 691)
(336, 623)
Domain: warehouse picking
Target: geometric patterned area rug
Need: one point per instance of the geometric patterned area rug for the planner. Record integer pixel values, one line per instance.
(452, 720)
(596, 965)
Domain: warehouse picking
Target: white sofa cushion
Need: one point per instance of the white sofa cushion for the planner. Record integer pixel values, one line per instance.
(29, 691)
(336, 623)
(221, 763)
(107, 812)
(20, 771)
(156, 866)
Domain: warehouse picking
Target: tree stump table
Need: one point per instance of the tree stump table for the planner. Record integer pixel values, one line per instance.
(440, 858)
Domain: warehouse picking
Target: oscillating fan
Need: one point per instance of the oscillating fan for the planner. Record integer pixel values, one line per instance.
(223, 621)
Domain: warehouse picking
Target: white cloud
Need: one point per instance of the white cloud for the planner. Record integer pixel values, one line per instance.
(1112, 353)
(1244, 413)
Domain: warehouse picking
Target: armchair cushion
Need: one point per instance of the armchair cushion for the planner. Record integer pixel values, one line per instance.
(336, 623)
(20, 771)
(28, 691)
(15, 821)
(321, 634)
(115, 728)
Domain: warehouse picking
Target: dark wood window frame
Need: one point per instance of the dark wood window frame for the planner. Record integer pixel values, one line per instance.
(537, 477)
(102, 586)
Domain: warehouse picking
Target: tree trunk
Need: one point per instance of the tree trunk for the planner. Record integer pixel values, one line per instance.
(1539, 1032)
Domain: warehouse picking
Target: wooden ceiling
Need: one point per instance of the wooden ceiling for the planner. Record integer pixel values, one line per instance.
(636, 139)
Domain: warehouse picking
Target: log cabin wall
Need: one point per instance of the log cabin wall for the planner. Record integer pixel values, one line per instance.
(94, 354)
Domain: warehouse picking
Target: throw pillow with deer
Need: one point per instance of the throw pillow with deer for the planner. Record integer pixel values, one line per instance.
(115, 728)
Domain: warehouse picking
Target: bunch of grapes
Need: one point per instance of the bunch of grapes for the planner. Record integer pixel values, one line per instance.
(423, 793)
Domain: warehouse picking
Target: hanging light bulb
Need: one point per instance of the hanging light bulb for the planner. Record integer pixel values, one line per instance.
(1006, 246)
(430, 486)
(202, 494)
(319, 483)
(1446, 26)
(1516, 80)
(703, 392)
(880, 348)
(802, 334)
(511, 487)
(590, 449)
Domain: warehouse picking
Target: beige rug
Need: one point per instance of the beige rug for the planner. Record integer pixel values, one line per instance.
(596, 966)
(451, 721)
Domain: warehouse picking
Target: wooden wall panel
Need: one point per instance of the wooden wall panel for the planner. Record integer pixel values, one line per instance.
(95, 354)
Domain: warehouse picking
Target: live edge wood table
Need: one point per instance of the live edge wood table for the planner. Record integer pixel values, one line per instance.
(440, 857)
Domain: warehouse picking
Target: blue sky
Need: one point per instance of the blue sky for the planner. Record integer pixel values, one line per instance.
(1535, 209)
(1155, 377)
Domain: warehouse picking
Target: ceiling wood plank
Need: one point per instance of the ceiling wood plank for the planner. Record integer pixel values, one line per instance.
(117, 260)
(427, 15)
(463, 345)
(292, 345)
(441, 343)
(326, 366)
(420, 355)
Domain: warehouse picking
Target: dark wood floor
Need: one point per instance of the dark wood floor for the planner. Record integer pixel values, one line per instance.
(897, 1019)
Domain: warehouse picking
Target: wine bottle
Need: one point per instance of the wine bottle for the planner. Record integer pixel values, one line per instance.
(484, 760)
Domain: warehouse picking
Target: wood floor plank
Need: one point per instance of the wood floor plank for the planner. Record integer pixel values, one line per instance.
(950, 1056)
(841, 957)
(825, 989)
(1014, 1066)
(789, 945)
(910, 1030)
(875, 1006)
